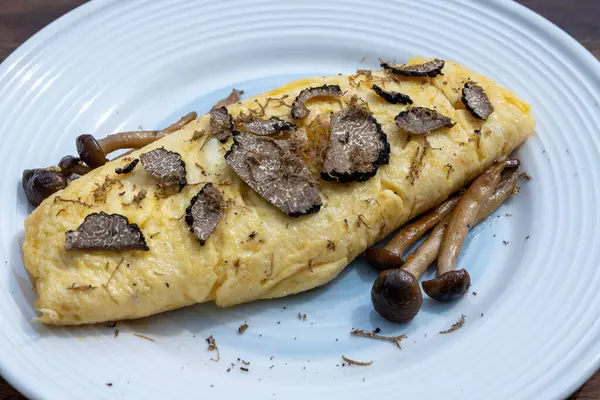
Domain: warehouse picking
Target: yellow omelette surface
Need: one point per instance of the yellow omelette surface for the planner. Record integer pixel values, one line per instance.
(256, 251)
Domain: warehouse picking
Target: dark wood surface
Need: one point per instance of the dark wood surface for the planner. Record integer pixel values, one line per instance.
(20, 19)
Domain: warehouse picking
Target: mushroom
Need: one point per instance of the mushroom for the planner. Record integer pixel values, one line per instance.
(418, 262)
(41, 183)
(390, 256)
(70, 165)
(450, 284)
(183, 121)
(93, 152)
(396, 295)
(233, 98)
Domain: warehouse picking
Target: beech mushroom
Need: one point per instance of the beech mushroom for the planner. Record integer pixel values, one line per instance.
(451, 284)
(93, 152)
(233, 98)
(72, 165)
(396, 295)
(183, 121)
(390, 256)
(41, 183)
(418, 262)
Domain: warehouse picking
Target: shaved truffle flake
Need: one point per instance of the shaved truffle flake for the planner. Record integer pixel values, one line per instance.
(221, 124)
(101, 231)
(421, 120)
(275, 170)
(357, 146)
(476, 101)
(392, 97)
(263, 127)
(299, 109)
(204, 212)
(429, 69)
(166, 166)
(128, 168)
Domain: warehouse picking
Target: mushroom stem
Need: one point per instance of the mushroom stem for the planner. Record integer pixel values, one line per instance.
(466, 212)
(476, 203)
(418, 262)
(413, 232)
(390, 256)
(233, 98)
(70, 165)
(129, 140)
(93, 152)
(183, 121)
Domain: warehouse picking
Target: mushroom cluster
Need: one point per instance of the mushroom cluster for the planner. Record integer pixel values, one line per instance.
(41, 183)
(396, 294)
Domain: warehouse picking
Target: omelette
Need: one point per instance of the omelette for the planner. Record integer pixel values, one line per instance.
(252, 244)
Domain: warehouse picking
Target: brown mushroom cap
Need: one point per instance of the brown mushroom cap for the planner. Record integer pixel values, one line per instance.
(40, 184)
(383, 259)
(90, 151)
(72, 165)
(396, 295)
(448, 287)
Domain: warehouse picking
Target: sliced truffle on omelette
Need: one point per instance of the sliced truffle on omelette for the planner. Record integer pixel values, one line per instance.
(427, 69)
(221, 123)
(299, 109)
(166, 166)
(391, 96)
(204, 212)
(476, 101)
(101, 231)
(265, 127)
(357, 146)
(421, 120)
(275, 170)
(127, 168)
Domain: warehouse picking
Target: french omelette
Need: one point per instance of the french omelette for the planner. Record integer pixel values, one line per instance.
(256, 251)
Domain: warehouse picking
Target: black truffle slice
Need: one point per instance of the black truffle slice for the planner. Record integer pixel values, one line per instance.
(128, 168)
(357, 146)
(299, 109)
(101, 231)
(276, 171)
(392, 97)
(204, 212)
(477, 101)
(221, 124)
(429, 69)
(264, 127)
(166, 166)
(421, 120)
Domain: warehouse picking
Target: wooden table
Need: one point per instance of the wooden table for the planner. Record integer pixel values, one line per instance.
(19, 19)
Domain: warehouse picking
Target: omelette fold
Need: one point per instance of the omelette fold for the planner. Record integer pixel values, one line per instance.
(256, 251)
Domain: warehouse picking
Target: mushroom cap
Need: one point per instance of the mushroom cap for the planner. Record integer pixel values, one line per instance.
(40, 184)
(448, 287)
(396, 295)
(90, 151)
(383, 259)
(68, 162)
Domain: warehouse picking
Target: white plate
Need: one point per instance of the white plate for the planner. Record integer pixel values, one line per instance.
(532, 329)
